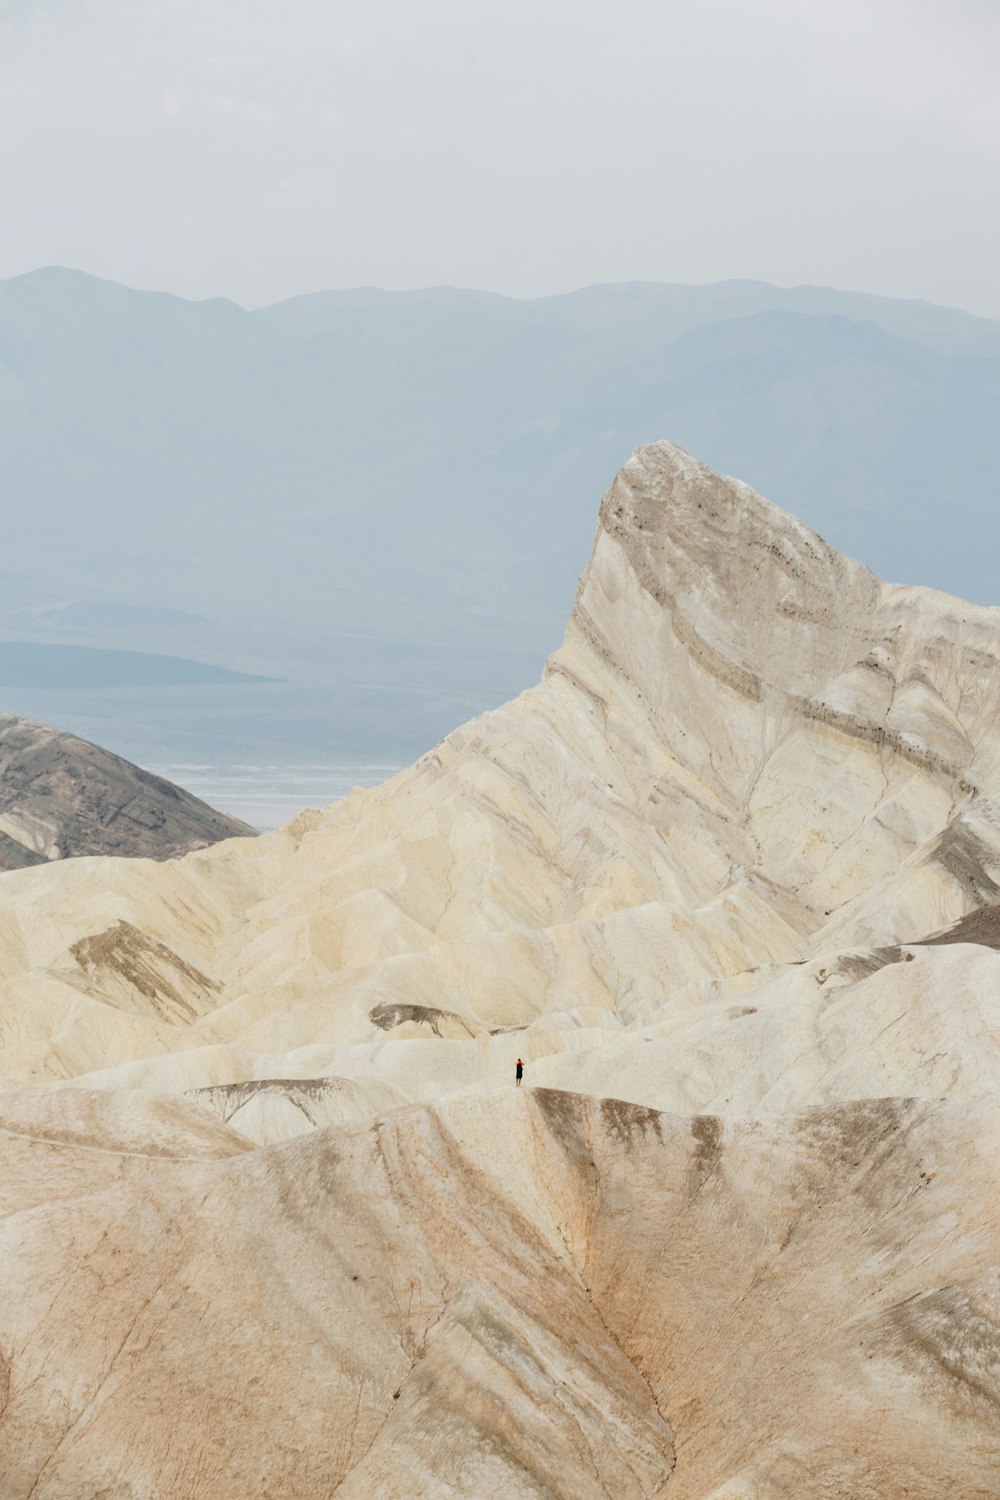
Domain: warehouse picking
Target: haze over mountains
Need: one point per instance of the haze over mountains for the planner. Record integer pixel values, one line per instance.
(381, 500)
(728, 879)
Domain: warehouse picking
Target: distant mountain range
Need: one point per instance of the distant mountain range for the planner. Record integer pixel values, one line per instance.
(26, 664)
(386, 498)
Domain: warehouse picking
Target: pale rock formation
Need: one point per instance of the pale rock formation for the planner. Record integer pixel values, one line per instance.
(747, 751)
(736, 859)
(523, 1294)
(275, 1109)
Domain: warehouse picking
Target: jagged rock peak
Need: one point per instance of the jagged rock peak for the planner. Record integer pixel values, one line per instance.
(760, 599)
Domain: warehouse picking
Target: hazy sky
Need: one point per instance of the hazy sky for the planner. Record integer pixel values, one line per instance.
(259, 148)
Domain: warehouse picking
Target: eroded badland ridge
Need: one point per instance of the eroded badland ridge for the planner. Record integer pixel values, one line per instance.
(738, 1237)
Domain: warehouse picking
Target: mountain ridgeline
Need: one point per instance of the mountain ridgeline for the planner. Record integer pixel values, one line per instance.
(735, 1238)
(383, 498)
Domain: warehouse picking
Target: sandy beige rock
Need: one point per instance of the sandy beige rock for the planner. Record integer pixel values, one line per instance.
(696, 870)
(747, 751)
(527, 1294)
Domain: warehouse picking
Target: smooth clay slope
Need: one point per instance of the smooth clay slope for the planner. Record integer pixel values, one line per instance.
(741, 1241)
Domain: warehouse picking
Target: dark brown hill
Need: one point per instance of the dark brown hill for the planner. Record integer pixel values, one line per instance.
(61, 796)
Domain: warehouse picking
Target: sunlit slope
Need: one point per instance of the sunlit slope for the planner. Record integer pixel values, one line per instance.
(748, 751)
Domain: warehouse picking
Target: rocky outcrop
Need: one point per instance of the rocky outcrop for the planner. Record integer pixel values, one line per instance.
(747, 752)
(726, 881)
(60, 797)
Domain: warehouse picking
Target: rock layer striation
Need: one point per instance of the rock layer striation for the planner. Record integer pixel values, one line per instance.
(728, 881)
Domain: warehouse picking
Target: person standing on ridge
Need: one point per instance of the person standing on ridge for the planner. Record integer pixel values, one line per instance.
(519, 1073)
